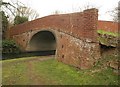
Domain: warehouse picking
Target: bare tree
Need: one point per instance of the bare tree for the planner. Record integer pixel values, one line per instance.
(17, 8)
(58, 12)
(119, 11)
(115, 13)
(7, 6)
(87, 6)
(27, 12)
(77, 9)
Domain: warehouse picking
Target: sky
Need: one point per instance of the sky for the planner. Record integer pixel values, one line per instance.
(48, 7)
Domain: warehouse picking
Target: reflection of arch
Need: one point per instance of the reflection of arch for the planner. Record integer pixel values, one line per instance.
(43, 41)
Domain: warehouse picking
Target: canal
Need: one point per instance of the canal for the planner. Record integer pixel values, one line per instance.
(27, 54)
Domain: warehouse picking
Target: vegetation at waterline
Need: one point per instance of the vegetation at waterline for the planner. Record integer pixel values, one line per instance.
(9, 46)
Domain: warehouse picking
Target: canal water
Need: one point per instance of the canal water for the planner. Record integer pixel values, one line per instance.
(27, 54)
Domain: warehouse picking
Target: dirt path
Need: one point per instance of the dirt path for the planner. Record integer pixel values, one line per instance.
(26, 74)
(35, 79)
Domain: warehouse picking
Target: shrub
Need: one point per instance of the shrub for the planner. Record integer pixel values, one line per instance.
(20, 20)
(9, 46)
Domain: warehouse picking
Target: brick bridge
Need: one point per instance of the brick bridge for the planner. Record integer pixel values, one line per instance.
(73, 36)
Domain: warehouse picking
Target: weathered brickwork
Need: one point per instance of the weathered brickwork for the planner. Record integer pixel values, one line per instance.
(76, 52)
(108, 26)
(75, 33)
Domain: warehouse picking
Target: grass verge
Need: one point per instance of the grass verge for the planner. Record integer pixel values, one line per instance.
(51, 72)
(108, 33)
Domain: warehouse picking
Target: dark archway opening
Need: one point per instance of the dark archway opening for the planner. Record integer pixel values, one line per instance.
(43, 43)
(107, 50)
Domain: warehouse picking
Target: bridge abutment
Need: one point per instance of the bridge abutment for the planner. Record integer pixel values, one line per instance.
(76, 36)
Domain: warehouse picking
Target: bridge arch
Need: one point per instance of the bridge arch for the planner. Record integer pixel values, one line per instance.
(43, 40)
(77, 45)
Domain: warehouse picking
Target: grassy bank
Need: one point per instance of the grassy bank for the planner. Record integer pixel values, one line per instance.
(34, 71)
(100, 31)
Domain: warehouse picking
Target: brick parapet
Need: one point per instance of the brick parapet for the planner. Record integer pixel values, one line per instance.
(80, 25)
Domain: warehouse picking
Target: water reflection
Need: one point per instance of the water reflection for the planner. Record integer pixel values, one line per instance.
(27, 54)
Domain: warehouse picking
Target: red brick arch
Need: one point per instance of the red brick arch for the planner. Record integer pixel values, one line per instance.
(76, 35)
(47, 33)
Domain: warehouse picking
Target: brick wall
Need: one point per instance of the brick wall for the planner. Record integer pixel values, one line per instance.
(77, 52)
(81, 25)
(108, 26)
(76, 35)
